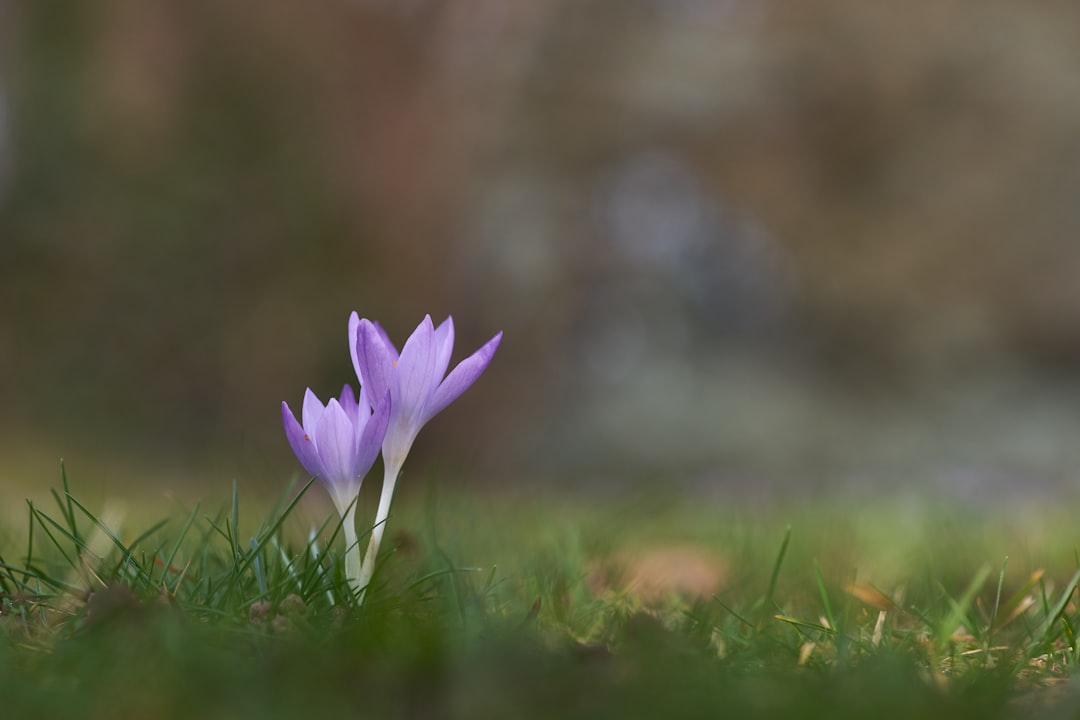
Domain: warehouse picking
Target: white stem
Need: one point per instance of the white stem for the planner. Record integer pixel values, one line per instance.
(352, 549)
(368, 568)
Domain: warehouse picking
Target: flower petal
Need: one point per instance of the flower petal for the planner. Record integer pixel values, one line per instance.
(312, 413)
(461, 377)
(416, 378)
(351, 408)
(371, 437)
(300, 442)
(444, 346)
(354, 337)
(336, 442)
(375, 359)
(364, 404)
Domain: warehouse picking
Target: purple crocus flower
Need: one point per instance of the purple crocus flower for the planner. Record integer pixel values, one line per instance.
(419, 388)
(338, 442)
(416, 378)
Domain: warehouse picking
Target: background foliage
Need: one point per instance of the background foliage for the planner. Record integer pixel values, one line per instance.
(739, 242)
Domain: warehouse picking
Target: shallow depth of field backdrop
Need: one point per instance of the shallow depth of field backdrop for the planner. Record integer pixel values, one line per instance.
(743, 248)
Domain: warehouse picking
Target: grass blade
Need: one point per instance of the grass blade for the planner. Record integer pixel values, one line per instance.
(959, 608)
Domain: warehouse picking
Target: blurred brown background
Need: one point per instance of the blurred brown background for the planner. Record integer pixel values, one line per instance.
(747, 247)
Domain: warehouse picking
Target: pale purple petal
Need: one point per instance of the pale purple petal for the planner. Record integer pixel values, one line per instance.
(350, 406)
(300, 442)
(444, 346)
(363, 402)
(371, 438)
(354, 337)
(400, 435)
(337, 446)
(375, 358)
(461, 377)
(312, 412)
(416, 372)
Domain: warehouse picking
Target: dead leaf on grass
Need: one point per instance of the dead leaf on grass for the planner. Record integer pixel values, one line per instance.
(655, 574)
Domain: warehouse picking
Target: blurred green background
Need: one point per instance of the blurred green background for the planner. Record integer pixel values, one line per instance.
(747, 248)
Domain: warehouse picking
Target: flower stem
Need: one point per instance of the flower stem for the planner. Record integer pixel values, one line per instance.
(368, 568)
(352, 549)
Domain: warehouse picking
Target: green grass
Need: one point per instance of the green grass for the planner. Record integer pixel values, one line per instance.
(495, 606)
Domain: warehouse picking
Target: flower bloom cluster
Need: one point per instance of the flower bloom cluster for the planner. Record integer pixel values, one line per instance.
(399, 393)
